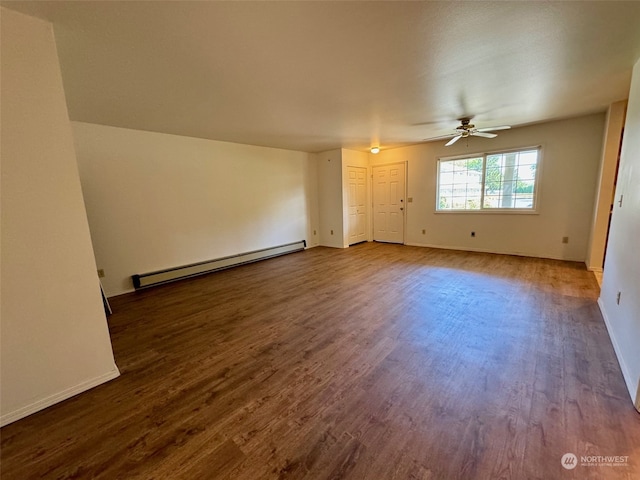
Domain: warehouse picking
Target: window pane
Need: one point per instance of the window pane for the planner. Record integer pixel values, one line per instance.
(510, 180)
(460, 184)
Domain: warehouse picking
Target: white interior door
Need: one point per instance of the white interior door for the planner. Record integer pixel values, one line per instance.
(388, 203)
(357, 204)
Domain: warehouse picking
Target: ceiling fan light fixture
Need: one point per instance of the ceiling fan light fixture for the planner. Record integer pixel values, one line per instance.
(375, 150)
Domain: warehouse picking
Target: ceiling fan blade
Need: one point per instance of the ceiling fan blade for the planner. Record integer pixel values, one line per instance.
(494, 129)
(484, 134)
(441, 137)
(453, 140)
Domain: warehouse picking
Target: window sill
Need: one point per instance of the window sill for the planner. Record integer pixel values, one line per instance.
(488, 212)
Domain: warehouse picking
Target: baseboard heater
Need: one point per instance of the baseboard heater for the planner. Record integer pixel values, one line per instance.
(159, 277)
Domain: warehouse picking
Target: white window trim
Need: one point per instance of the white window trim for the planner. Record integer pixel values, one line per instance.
(492, 211)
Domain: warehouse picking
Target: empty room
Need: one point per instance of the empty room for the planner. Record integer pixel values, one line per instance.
(320, 240)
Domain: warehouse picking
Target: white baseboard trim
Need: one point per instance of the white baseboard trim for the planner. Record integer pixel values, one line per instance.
(633, 389)
(486, 250)
(57, 397)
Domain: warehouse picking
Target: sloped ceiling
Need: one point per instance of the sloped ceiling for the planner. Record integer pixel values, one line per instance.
(314, 76)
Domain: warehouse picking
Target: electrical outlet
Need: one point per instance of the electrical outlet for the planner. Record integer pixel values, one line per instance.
(101, 273)
(565, 239)
(409, 199)
(473, 234)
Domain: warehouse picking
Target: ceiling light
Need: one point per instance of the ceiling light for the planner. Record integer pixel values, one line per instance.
(375, 150)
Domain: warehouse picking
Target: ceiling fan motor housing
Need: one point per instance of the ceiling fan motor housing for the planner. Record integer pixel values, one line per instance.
(465, 126)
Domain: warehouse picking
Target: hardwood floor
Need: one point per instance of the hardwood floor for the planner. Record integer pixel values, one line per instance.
(373, 362)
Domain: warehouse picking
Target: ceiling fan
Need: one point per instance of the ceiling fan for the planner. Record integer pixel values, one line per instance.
(467, 129)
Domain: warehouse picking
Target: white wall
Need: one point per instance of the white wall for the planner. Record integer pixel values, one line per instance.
(157, 201)
(55, 342)
(330, 199)
(571, 155)
(622, 264)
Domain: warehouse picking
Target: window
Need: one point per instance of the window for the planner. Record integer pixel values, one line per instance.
(490, 181)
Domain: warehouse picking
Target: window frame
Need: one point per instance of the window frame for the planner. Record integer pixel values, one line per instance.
(492, 211)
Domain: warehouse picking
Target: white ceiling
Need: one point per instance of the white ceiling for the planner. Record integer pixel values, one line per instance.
(314, 76)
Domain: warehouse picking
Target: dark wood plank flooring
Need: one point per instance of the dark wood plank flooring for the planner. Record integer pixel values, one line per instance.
(374, 362)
